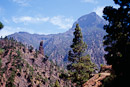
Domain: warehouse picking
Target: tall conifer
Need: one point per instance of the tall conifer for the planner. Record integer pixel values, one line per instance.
(117, 41)
(80, 66)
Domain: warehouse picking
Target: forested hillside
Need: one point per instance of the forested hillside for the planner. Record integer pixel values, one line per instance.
(22, 66)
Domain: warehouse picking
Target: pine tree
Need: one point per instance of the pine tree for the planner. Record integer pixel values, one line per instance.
(1, 26)
(117, 40)
(30, 48)
(36, 53)
(80, 67)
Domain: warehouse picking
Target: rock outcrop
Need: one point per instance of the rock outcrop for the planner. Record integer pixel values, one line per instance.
(41, 50)
(96, 79)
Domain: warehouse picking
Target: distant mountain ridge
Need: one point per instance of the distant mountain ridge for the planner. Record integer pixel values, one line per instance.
(56, 46)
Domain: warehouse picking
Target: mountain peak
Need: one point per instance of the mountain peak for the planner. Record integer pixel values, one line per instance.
(92, 13)
(89, 20)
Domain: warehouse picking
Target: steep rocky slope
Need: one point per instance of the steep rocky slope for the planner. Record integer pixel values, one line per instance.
(57, 45)
(23, 67)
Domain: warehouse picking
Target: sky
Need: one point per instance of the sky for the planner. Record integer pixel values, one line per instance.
(46, 16)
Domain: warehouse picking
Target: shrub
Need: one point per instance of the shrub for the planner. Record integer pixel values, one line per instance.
(0, 62)
(1, 51)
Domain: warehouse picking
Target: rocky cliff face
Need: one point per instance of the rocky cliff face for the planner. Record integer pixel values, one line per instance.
(21, 68)
(57, 45)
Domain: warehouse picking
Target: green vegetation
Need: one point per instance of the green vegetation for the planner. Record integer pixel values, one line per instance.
(0, 63)
(80, 67)
(109, 81)
(10, 82)
(46, 79)
(1, 51)
(30, 48)
(63, 76)
(57, 84)
(36, 53)
(101, 65)
(99, 74)
(10, 55)
(117, 41)
(1, 26)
